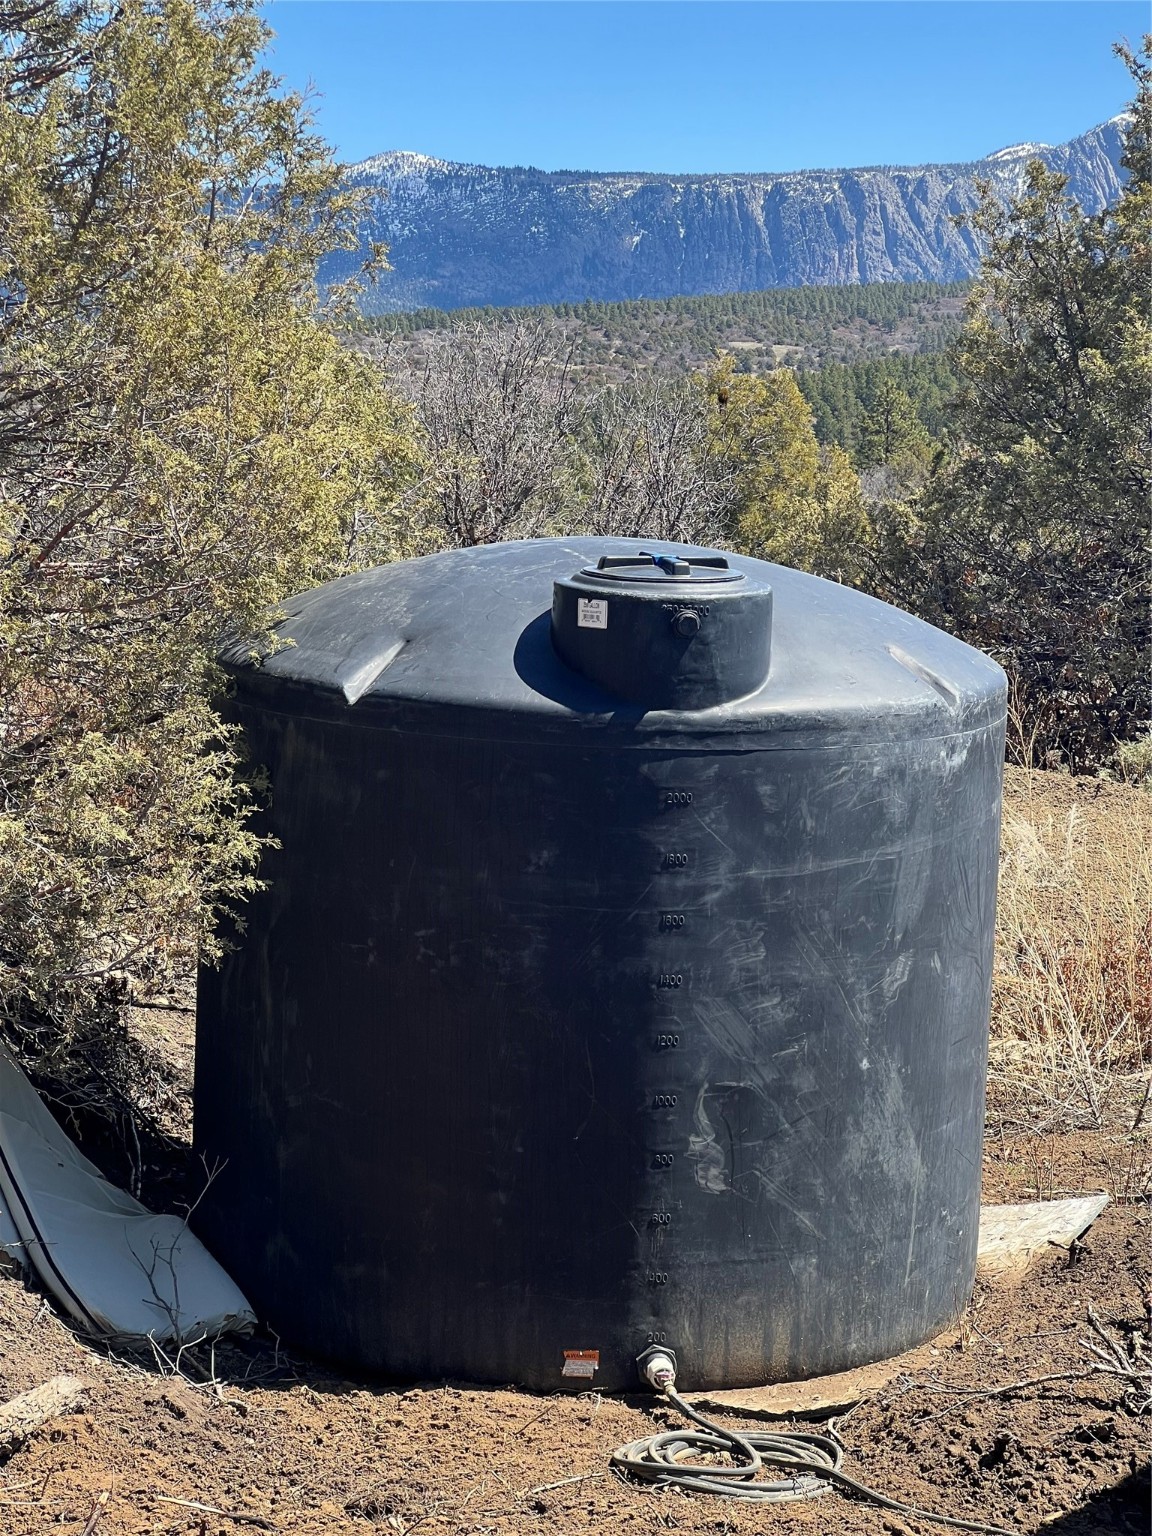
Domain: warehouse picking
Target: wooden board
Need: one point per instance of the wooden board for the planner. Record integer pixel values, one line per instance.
(1013, 1236)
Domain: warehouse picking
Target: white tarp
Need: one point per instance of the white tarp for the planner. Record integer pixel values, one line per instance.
(117, 1269)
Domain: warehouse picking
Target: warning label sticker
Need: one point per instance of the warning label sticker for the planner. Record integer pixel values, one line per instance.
(581, 1362)
(592, 613)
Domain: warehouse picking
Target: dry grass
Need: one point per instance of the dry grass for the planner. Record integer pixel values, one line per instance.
(1072, 990)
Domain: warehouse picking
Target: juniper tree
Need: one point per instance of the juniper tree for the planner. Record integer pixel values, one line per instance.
(182, 441)
(794, 501)
(1033, 542)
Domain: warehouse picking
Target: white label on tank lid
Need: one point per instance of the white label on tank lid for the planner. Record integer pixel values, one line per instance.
(592, 613)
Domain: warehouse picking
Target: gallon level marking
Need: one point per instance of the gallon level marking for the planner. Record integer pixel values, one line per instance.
(666, 1102)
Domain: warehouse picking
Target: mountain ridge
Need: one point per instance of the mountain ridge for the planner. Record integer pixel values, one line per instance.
(463, 235)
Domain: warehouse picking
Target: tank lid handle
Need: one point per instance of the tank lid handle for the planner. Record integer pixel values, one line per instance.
(646, 566)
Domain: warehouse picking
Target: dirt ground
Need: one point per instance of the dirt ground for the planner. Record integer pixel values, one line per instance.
(293, 1448)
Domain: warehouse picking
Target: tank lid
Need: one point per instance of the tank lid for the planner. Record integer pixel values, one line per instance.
(684, 630)
(668, 569)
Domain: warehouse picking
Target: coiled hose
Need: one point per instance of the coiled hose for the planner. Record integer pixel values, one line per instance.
(812, 1464)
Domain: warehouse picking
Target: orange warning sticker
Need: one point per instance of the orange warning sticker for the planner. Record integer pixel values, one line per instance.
(581, 1362)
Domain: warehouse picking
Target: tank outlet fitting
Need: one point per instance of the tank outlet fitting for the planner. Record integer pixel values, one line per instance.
(686, 623)
(658, 1368)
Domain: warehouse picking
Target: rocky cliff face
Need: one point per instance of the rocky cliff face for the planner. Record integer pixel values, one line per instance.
(473, 235)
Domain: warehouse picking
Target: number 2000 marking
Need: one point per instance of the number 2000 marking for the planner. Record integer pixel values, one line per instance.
(678, 797)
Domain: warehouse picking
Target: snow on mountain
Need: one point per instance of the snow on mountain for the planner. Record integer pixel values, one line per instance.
(1018, 152)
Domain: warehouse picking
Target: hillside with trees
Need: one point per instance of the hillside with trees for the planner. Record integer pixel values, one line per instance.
(794, 327)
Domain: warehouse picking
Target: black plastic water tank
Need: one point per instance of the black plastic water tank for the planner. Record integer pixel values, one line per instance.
(622, 975)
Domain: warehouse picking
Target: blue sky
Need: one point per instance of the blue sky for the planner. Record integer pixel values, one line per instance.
(719, 85)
